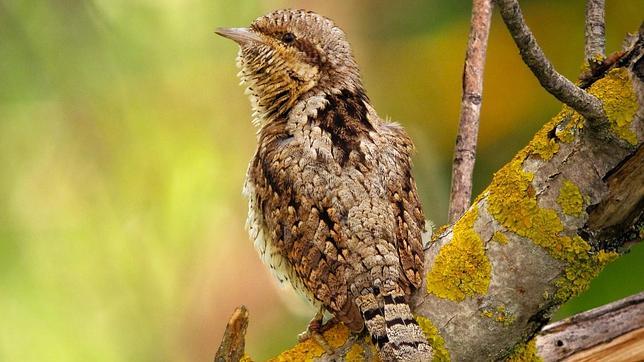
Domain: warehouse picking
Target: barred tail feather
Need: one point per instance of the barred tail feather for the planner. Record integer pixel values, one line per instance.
(393, 328)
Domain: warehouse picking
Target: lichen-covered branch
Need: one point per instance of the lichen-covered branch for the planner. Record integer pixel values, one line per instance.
(525, 246)
(465, 150)
(558, 85)
(536, 236)
(595, 32)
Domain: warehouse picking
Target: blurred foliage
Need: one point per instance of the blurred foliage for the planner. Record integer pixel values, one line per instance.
(124, 141)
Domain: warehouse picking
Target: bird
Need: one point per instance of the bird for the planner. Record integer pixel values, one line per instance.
(333, 206)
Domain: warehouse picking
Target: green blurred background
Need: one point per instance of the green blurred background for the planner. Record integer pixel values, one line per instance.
(124, 140)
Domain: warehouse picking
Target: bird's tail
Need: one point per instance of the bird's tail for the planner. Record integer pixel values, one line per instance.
(393, 328)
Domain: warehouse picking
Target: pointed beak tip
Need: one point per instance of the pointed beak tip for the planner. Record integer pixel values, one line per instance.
(239, 35)
(220, 31)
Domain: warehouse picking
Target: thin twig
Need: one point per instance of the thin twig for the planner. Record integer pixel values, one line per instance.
(560, 87)
(595, 35)
(465, 150)
(233, 343)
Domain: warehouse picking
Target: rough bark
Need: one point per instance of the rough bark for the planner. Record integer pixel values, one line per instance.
(595, 31)
(613, 332)
(233, 343)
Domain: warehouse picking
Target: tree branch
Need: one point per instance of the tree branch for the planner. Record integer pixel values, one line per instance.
(560, 87)
(613, 329)
(525, 246)
(595, 32)
(232, 344)
(465, 150)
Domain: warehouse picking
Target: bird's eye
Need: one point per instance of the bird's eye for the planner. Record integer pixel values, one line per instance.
(288, 38)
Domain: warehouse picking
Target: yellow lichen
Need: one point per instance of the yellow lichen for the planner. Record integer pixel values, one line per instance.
(373, 355)
(566, 135)
(355, 354)
(439, 352)
(513, 203)
(461, 267)
(596, 58)
(525, 353)
(573, 122)
(570, 199)
(309, 350)
(542, 144)
(500, 237)
(568, 123)
(499, 314)
(439, 232)
(246, 358)
(620, 102)
(577, 279)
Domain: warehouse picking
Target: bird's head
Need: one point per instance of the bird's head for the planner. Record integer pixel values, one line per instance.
(288, 53)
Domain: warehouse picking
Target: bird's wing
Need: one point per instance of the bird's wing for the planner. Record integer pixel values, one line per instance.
(302, 224)
(402, 192)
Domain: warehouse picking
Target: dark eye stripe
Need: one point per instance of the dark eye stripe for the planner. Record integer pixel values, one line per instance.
(308, 49)
(301, 44)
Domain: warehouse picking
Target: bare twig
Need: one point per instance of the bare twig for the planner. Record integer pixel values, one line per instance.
(465, 150)
(233, 343)
(595, 34)
(594, 334)
(559, 86)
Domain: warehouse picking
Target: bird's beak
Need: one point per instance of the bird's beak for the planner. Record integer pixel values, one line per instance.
(240, 35)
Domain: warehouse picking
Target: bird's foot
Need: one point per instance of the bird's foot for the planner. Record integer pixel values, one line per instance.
(314, 331)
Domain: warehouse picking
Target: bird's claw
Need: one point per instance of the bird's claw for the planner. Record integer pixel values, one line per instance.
(313, 331)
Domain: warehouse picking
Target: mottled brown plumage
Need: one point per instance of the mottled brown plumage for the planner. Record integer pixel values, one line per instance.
(333, 206)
